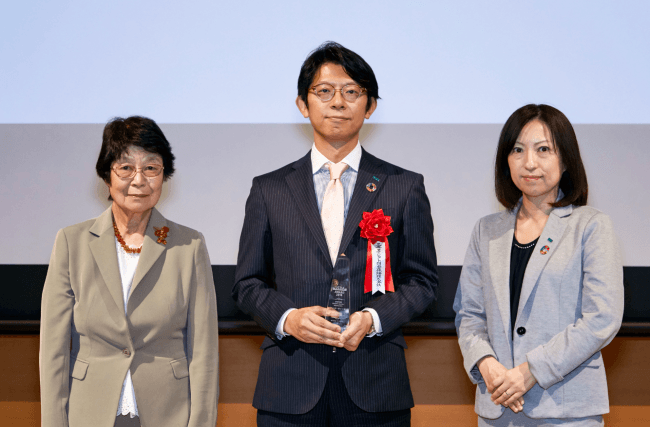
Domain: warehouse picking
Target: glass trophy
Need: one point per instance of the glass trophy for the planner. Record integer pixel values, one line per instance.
(339, 299)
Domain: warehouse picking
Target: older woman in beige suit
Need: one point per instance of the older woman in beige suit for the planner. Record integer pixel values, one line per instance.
(129, 329)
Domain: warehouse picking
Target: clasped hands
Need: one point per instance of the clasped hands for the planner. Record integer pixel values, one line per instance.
(507, 386)
(309, 325)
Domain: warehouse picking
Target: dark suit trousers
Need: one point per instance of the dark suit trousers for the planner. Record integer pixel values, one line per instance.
(127, 421)
(335, 409)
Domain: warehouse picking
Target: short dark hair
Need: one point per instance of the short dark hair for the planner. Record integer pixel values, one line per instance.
(573, 182)
(135, 131)
(353, 64)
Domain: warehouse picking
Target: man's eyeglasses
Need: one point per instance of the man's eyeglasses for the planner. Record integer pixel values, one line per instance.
(325, 92)
(127, 171)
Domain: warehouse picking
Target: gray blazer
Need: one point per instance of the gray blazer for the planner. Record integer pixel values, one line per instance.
(168, 337)
(571, 307)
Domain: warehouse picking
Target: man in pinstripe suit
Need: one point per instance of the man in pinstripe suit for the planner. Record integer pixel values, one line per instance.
(310, 373)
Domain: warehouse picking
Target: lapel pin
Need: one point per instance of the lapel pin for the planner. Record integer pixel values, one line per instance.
(375, 178)
(544, 250)
(371, 186)
(161, 233)
(550, 240)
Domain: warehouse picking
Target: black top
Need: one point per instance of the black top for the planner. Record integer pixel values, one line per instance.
(519, 256)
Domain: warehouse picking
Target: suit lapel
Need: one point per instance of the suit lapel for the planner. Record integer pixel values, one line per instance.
(105, 255)
(499, 249)
(301, 184)
(151, 249)
(554, 229)
(370, 171)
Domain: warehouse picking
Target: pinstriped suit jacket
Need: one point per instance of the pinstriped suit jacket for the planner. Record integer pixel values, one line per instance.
(284, 262)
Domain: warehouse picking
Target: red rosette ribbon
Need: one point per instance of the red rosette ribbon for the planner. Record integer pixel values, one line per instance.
(375, 226)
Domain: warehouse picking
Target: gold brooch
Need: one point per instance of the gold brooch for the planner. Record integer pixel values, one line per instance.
(161, 233)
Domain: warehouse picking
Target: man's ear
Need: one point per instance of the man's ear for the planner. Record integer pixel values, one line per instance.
(302, 106)
(372, 108)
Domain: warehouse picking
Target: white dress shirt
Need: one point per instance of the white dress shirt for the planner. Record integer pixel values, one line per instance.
(321, 176)
(127, 263)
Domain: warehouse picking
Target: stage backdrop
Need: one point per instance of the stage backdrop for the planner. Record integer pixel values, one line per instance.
(221, 81)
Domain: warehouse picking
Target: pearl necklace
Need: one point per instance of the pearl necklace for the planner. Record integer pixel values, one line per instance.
(528, 246)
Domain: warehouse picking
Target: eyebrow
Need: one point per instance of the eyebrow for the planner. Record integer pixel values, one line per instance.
(333, 84)
(538, 142)
(146, 159)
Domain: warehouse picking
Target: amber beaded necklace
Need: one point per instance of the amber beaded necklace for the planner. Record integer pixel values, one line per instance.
(126, 248)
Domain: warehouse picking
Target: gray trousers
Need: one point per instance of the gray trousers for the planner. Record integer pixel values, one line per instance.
(510, 419)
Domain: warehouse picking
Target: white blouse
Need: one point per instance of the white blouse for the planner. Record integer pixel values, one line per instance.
(127, 263)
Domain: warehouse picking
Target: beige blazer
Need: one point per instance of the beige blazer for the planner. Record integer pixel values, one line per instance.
(168, 337)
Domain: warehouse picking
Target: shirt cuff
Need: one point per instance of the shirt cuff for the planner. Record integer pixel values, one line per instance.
(279, 330)
(376, 322)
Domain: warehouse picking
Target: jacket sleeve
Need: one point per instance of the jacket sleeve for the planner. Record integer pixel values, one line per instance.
(471, 318)
(602, 307)
(415, 274)
(254, 289)
(203, 342)
(56, 322)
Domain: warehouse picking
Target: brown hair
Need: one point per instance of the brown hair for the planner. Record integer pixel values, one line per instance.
(573, 182)
(120, 134)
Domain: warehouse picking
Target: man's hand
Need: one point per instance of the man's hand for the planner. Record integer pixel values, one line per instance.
(515, 383)
(493, 374)
(308, 325)
(360, 323)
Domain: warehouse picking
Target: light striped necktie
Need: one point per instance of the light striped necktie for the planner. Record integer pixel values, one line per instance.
(332, 211)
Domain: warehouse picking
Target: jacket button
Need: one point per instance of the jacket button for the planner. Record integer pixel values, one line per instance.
(521, 330)
(126, 352)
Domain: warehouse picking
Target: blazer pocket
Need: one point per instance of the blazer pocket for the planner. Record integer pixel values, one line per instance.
(78, 369)
(594, 362)
(268, 342)
(398, 340)
(180, 368)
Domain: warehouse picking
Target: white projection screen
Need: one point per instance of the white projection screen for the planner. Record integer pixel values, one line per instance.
(220, 78)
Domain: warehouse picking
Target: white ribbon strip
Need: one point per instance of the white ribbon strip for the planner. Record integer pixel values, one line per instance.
(379, 268)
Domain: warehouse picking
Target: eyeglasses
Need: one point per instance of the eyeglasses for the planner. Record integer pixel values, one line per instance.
(127, 171)
(325, 92)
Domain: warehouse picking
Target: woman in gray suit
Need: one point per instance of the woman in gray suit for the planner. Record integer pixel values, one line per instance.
(129, 316)
(541, 290)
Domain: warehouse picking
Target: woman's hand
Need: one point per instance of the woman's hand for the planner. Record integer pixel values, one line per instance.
(515, 383)
(493, 374)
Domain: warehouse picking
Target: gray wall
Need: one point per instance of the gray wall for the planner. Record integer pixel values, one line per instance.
(47, 179)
